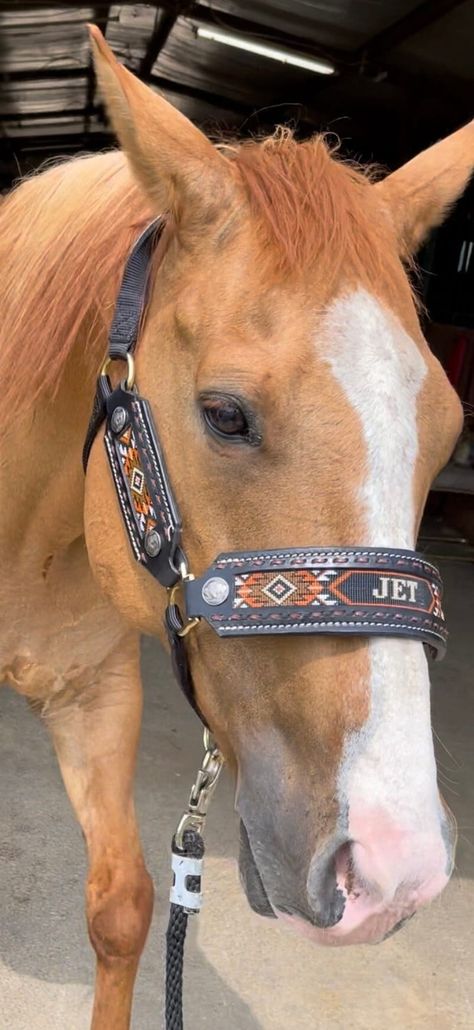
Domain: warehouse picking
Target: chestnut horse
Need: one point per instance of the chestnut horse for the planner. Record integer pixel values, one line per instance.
(297, 402)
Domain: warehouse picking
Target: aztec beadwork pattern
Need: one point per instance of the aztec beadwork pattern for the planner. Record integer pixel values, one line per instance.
(144, 511)
(137, 466)
(329, 587)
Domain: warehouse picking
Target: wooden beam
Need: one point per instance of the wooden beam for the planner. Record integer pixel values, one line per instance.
(165, 20)
(424, 15)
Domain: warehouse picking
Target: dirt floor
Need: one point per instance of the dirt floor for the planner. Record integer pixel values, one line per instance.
(242, 973)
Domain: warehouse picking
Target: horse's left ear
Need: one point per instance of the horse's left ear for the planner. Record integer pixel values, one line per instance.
(420, 194)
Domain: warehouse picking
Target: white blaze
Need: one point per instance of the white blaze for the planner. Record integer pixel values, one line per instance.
(388, 765)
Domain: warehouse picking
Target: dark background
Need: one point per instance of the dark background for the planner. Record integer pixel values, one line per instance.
(404, 78)
(404, 71)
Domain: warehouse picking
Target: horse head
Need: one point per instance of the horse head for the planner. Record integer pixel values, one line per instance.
(297, 402)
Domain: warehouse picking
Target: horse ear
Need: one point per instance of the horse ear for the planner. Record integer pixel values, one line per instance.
(174, 162)
(420, 194)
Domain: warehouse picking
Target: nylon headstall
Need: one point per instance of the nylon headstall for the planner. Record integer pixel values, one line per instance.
(318, 590)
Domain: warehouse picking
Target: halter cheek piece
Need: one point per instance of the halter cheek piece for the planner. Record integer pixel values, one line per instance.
(355, 590)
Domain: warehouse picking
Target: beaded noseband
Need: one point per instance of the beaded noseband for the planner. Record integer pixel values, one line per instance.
(319, 590)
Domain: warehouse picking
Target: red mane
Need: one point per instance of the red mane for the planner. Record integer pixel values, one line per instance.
(317, 211)
(64, 237)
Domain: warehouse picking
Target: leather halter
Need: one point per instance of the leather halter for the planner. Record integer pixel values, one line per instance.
(319, 590)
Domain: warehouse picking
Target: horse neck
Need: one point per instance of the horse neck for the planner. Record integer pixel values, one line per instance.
(41, 466)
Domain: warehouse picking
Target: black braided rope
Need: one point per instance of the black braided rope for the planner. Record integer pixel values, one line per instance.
(193, 847)
(175, 937)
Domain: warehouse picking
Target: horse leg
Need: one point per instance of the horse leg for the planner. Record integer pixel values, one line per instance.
(95, 737)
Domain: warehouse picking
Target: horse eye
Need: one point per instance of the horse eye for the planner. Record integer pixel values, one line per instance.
(225, 417)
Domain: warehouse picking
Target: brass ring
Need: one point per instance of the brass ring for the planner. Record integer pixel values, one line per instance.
(130, 380)
(172, 592)
(190, 624)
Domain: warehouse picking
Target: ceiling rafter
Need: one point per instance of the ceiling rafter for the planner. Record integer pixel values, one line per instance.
(165, 21)
(370, 76)
(421, 17)
(204, 15)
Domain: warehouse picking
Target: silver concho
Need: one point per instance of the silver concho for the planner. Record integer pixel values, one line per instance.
(118, 419)
(153, 543)
(215, 590)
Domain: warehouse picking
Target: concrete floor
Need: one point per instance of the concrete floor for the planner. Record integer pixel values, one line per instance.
(242, 973)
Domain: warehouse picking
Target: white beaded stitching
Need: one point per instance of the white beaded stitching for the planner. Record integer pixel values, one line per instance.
(157, 470)
(313, 625)
(122, 498)
(247, 558)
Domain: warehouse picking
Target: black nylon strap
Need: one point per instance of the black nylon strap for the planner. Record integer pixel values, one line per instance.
(123, 334)
(102, 391)
(179, 658)
(132, 296)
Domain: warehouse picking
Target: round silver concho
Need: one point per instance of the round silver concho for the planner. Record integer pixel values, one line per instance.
(152, 543)
(118, 420)
(215, 590)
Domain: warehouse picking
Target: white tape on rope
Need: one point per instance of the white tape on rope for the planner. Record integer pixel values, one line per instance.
(183, 868)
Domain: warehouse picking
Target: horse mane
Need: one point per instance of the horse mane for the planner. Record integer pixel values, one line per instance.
(65, 235)
(315, 209)
(64, 238)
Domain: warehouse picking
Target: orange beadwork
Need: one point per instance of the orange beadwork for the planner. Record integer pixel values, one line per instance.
(136, 481)
(294, 587)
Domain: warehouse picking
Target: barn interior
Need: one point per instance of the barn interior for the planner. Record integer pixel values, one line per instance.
(385, 78)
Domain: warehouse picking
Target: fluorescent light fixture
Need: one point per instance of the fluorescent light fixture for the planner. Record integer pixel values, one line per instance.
(310, 64)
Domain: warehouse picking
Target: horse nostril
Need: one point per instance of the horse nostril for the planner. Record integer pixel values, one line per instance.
(326, 897)
(331, 909)
(344, 867)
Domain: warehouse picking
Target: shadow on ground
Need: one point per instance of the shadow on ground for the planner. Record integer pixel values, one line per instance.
(241, 972)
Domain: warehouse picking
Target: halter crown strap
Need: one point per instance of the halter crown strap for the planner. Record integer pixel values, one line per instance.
(123, 333)
(131, 300)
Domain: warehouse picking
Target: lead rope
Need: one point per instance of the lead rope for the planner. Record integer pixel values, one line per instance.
(187, 855)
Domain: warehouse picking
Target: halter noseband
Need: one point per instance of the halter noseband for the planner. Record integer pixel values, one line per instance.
(355, 590)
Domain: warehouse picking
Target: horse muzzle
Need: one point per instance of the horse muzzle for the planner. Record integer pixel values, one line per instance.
(353, 892)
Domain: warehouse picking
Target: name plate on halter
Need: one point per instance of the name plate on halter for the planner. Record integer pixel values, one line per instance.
(377, 591)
